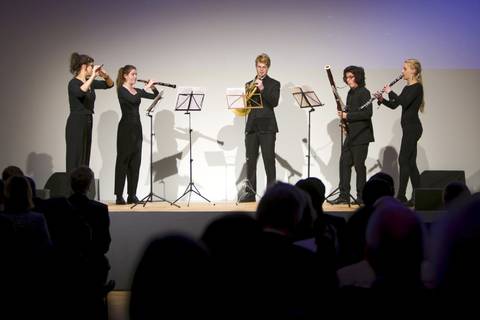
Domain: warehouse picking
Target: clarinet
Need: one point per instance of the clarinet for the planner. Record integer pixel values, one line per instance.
(159, 83)
(338, 100)
(383, 90)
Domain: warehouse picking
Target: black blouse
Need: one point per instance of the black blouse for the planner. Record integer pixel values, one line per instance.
(83, 102)
(411, 98)
(130, 103)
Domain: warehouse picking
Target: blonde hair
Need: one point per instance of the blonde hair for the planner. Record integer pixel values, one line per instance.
(415, 64)
(263, 58)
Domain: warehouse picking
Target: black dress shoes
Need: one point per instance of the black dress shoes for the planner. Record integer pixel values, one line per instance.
(132, 200)
(120, 200)
(340, 200)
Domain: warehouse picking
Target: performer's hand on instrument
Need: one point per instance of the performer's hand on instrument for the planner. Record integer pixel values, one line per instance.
(387, 89)
(342, 115)
(378, 95)
(96, 69)
(149, 84)
(102, 72)
(259, 84)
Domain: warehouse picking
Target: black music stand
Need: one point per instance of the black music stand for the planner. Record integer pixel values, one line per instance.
(189, 101)
(149, 197)
(306, 98)
(237, 102)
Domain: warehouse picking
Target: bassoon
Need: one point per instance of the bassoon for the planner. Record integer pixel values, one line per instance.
(338, 100)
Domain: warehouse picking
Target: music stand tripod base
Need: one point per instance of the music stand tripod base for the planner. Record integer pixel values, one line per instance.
(149, 197)
(190, 101)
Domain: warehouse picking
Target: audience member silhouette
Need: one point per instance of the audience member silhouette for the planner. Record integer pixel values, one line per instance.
(11, 171)
(455, 193)
(395, 246)
(456, 239)
(172, 280)
(2, 199)
(326, 227)
(96, 215)
(233, 242)
(25, 252)
(353, 235)
(289, 272)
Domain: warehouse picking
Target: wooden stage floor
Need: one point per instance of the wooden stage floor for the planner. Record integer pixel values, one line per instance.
(209, 207)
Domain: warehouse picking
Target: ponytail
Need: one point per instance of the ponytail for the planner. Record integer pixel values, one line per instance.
(77, 60)
(122, 72)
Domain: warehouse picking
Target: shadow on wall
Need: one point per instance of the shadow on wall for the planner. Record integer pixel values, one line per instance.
(167, 157)
(39, 167)
(107, 144)
(389, 157)
(233, 136)
(389, 163)
(292, 127)
(330, 169)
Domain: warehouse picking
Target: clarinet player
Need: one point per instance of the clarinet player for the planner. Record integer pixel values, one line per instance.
(412, 101)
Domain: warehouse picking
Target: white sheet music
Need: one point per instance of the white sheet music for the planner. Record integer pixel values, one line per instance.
(235, 98)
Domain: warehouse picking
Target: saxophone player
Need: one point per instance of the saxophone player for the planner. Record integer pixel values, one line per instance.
(359, 134)
(261, 127)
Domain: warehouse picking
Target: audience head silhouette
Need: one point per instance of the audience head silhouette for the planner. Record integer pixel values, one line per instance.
(80, 179)
(281, 208)
(456, 241)
(375, 188)
(18, 195)
(455, 193)
(394, 244)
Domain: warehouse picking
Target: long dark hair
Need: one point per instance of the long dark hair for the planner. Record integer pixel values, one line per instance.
(18, 195)
(123, 71)
(77, 60)
(357, 72)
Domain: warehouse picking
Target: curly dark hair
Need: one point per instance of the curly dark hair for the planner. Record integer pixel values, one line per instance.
(357, 72)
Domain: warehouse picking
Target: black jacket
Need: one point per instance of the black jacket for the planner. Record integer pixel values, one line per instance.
(263, 120)
(359, 121)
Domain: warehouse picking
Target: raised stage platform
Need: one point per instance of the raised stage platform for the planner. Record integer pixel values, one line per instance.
(131, 229)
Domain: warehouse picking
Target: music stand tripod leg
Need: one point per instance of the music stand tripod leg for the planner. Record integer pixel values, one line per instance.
(191, 185)
(149, 197)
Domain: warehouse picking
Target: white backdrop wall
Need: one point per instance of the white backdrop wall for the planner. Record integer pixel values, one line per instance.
(213, 45)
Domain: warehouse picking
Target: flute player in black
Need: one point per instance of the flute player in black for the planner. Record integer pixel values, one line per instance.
(359, 133)
(261, 127)
(129, 134)
(412, 101)
(81, 97)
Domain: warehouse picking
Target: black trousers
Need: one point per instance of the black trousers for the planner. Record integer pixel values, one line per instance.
(78, 137)
(407, 160)
(353, 156)
(129, 156)
(266, 141)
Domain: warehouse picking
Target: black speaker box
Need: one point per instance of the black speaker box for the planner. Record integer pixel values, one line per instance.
(428, 199)
(440, 178)
(429, 195)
